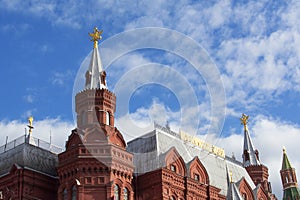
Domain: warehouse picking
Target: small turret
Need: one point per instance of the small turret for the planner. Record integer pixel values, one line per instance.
(289, 179)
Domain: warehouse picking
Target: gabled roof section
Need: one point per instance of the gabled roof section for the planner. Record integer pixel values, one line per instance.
(173, 157)
(195, 166)
(149, 156)
(233, 193)
(285, 161)
(259, 192)
(245, 188)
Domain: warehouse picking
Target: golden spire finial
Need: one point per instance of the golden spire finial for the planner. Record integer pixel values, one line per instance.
(283, 149)
(96, 36)
(244, 121)
(30, 120)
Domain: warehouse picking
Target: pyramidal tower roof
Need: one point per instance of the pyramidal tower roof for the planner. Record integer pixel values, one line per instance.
(94, 74)
(249, 156)
(233, 192)
(285, 161)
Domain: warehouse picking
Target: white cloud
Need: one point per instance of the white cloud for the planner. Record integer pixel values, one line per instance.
(142, 120)
(256, 46)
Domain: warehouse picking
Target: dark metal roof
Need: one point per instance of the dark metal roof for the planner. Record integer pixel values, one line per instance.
(28, 154)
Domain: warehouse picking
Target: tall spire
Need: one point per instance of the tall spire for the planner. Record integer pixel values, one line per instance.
(289, 179)
(285, 161)
(250, 155)
(95, 75)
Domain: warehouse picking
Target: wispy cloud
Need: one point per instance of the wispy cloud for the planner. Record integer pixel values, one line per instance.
(60, 78)
(29, 98)
(31, 95)
(255, 45)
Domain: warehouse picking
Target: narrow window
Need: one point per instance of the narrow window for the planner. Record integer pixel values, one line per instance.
(196, 177)
(126, 194)
(107, 118)
(65, 194)
(116, 192)
(74, 192)
(244, 196)
(173, 168)
(83, 118)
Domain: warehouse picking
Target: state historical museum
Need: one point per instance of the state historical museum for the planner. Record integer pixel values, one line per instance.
(98, 164)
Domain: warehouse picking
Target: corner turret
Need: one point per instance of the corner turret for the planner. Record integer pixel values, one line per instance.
(289, 179)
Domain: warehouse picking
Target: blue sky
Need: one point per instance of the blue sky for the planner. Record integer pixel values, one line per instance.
(254, 46)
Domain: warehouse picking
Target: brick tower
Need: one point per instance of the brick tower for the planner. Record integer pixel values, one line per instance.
(257, 171)
(95, 164)
(289, 179)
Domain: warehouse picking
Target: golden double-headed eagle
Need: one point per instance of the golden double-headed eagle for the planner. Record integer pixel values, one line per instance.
(244, 119)
(95, 36)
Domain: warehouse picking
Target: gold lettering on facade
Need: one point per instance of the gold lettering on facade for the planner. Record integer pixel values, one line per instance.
(202, 144)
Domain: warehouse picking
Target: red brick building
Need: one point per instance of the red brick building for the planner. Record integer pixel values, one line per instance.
(97, 164)
(27, 169)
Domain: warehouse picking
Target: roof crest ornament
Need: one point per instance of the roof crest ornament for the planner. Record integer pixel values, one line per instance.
(244, 121)
(96, 36)
(30, 120)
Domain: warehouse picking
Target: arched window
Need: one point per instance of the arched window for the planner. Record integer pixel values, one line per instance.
(244, 196)
(116, 192)
(172, 198)
(65, 194)
(126, 195)
(74, 192)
